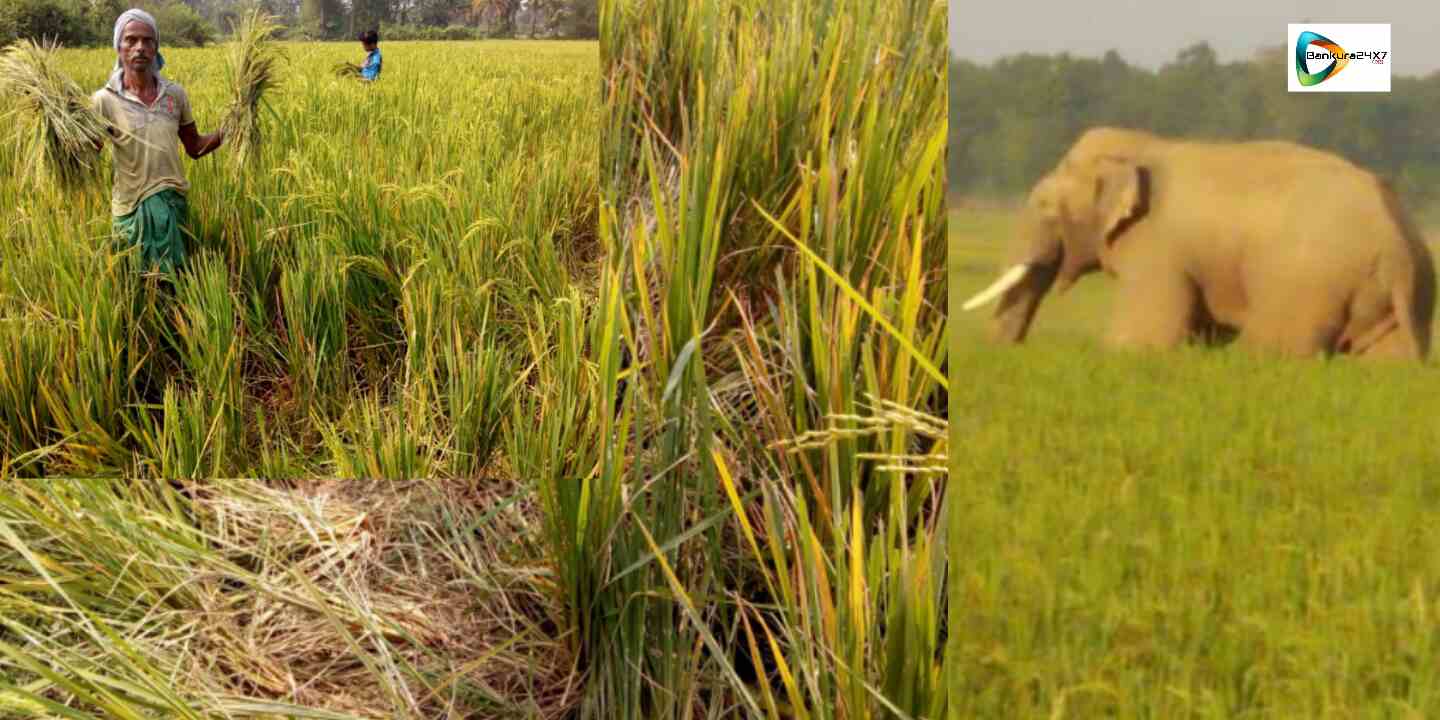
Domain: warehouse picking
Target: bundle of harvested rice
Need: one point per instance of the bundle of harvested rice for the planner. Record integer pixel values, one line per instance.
(56, 130)
(346, 69)
(252, 63)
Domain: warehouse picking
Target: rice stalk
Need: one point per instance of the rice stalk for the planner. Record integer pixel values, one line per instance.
(479, 384)
(57, 132)
(346, 70)
(252, 58)
(885, 417)
(378, 440)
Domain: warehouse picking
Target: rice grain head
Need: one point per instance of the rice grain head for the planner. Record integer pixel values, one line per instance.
(346, 70)
(252, 59)
(56, 129)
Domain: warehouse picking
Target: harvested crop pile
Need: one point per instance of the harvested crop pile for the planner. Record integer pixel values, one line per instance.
(55, 129)
(252, 59)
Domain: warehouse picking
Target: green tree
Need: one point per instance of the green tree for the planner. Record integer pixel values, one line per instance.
(58, 20)
(580, 19)
(1011, 120)
(369, 14)
(322, 19)
(500, 14)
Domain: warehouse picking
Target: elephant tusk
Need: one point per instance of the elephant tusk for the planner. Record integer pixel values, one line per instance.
(1012, 277)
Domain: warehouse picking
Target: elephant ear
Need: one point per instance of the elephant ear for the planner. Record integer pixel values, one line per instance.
(1122, 196)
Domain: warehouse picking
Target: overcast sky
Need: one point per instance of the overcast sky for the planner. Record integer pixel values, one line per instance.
(1151, 33)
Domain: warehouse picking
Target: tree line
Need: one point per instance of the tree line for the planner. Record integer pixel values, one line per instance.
(200, 22)
(1012, 119)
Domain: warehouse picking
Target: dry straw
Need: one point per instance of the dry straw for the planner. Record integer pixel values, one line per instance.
(252, 61)
(56, 129)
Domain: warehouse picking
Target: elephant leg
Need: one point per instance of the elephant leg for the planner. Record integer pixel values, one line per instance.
(1207, 330)
(1393, 343)
(1153, 313)
(1376, 332)
(1307, 342)
(1296, 327)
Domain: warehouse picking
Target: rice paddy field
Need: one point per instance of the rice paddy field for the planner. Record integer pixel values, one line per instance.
(357, 332)
(1202, 533)
(533, 431)
(382, 255)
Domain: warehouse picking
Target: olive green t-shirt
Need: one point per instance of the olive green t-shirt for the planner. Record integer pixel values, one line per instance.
(146, 153)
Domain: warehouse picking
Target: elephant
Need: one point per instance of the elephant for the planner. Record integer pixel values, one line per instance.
(1280, 246)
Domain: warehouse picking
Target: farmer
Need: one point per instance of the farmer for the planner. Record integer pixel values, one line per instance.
(370, 40)
(148, 113)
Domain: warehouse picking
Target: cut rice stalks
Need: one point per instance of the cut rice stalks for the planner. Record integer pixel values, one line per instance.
(252, 63)
(56, 129)
(346, 70)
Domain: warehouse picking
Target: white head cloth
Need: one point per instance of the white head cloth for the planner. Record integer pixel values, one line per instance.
(136, 15)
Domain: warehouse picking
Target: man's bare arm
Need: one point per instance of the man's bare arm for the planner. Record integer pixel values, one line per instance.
(197, 145)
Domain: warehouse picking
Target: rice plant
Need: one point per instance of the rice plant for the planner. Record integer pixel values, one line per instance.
(477, 390)
(252, 63)
(781, 247)
(55, 131)
(345, 70)
(199, 425)
(379, 440)
(32, 347)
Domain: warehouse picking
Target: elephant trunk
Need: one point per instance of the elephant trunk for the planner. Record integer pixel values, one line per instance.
(1023, 286)
(1018, 304)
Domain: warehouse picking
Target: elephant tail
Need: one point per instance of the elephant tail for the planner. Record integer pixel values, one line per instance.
(1414, 288)
(1402, 329)
(1414, 302)
(1410, 273)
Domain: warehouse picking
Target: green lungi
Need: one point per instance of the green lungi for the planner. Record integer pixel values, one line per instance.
(158, 226)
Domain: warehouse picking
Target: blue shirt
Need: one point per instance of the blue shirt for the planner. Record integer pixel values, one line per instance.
(371, 69)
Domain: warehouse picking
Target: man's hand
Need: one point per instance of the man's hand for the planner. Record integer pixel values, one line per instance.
(197, 145)
(100, 144)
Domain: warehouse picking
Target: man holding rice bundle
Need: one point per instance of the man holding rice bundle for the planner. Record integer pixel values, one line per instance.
(148, 113)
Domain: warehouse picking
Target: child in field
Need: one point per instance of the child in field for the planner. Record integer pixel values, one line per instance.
(370, 40)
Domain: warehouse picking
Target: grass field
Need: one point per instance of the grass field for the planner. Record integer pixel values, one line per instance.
(1201, 533)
